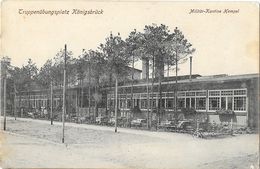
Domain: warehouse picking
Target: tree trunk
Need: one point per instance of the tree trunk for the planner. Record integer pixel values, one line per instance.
(159, 111)
(89, 92)
(15, 102)
(51, 104)
(148, 102)
(82, 94)
(147, 95)
(124, 106)
(110, 86)
(116, 107)
(132, 84)
(167, 88)
(4, 79)
(96, 108)
(64, 96)
(96, 101)
(176, 87)
(20, 99)
(152, 92)
(132, 88)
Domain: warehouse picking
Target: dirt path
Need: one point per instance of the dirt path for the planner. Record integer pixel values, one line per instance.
(31, 143)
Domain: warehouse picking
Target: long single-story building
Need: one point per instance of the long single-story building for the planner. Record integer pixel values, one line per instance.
(204, 94)
(208, 94)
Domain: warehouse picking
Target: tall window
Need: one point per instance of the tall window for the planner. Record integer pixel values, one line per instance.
(214, 103)
(181, 103)
(187, 102)
(240, 103)
(153, 103)
(223, 103)
(122, 103)
(128, 103)
(192, 103)
(229, 103)
(111, 103)
(143, 104)
(162, 104)
(170, 103)
(201, 103)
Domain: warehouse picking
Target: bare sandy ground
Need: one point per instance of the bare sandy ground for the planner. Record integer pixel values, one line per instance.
(36, 144)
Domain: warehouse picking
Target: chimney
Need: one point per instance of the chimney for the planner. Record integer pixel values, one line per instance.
(145, 68)
(159, 67)
(190, 67)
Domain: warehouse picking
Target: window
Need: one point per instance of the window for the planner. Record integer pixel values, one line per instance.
(153, 103)
(122, 95)
(137, 102)
(169, 94)
(111, 103)
(181, 94)
(223, 103)
(214, 93)
(240, 103)
(154, 95)
(240, 92)
(128, 103)
(201, 103)
(190, 93)
(201, 93)
(229, 103)
(187, 102)
(129, 96)
(214, 103)
(143, 95)
(181, 103)
(226, 103)
(163, 103)
(143, 104)
(192, 103)
(122, 103)
(227, 92)
(170, 103)
(112, 96)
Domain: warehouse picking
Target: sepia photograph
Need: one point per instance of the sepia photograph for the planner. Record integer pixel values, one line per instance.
(129, 84)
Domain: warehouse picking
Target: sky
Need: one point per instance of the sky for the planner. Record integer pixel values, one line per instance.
(225, 43)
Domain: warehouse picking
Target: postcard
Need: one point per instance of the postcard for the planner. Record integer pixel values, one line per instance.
(129, 84)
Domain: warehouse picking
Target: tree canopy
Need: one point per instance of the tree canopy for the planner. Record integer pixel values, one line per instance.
(155, 43)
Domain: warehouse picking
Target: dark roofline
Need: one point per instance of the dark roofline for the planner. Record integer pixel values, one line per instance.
(198, 78)
(202, 79)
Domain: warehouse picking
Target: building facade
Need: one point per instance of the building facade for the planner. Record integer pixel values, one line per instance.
(204, 94)
(210, 94)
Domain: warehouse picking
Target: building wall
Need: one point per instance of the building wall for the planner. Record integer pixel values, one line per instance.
(253, 103)
(248, 117)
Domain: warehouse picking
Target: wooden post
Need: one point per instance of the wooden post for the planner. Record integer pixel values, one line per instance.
(247, 110)
(15, 102)
(82, 94)
(64, 95)
(167, 92)
(152, 93)
(51, 104)
(89, 90)
(176, 83)
(148, 102)
(77, 109)
(116, 105)
(190, 67)
(4, 103)
(232, 125)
